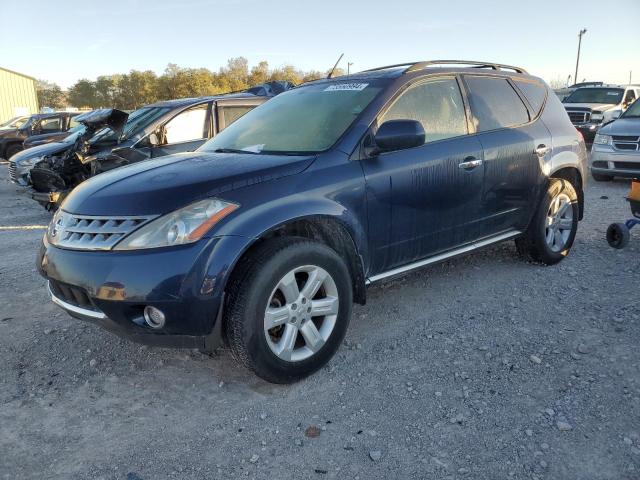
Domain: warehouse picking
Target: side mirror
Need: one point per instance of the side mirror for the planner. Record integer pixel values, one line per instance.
(399, 135)
(154, 141)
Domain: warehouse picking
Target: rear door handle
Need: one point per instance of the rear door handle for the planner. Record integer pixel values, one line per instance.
(542, 150)
(470, 163)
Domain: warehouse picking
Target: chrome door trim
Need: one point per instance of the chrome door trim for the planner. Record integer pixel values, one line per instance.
(444, 256)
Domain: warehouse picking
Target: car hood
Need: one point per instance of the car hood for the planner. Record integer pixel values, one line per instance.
(622, 126)
(40, 151)
(8, 132)
(160, 186)
(602, 107)
(44, 138)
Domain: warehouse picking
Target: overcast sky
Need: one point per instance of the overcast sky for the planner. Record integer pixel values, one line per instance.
(62, 41)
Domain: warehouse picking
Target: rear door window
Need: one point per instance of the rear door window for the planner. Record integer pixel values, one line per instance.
(231, 113)
(436, 104)
(494, 103)
(51, 125)
(535, 92)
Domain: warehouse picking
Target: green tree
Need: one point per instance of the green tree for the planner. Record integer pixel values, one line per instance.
(236, 73)
(83, 94)
(286, 73)
(50, 95)
(259, 74)
(137, 89)
(107, 90)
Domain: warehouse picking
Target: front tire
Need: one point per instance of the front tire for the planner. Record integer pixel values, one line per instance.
(553, 228)
(12, 150)
(289, 308)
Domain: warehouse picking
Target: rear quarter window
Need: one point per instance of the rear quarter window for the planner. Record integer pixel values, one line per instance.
(535, 92)
(494, 103)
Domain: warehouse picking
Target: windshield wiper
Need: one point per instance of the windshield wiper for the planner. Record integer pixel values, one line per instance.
(233, 150)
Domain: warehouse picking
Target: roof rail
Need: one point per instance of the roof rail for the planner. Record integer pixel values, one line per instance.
(415, 66)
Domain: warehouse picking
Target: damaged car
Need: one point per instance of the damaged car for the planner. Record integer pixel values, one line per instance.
(113, 139)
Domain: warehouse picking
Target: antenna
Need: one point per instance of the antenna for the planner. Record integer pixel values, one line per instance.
(335, 66)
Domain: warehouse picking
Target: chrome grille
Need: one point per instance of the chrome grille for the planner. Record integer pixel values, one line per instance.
(84, 232)
(578, 118)
(12, 171)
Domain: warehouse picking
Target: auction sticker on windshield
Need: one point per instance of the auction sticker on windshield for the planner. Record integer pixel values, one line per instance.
(346, 86)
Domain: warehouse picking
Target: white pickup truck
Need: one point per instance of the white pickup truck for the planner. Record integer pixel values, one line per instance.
(591, 107)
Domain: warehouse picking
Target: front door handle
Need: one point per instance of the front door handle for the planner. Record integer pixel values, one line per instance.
(542, 150)
(470, 163)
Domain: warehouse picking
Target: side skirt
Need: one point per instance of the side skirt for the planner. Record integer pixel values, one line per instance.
(445, 256)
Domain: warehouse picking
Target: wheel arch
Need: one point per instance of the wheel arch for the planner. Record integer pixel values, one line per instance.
(573, 176)
(324, 228)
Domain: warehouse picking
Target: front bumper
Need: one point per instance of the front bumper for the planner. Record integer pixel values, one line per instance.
(111, 289)
(605, 160)
(18, 174)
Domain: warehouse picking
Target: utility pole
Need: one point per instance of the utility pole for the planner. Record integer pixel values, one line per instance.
(580, 34)
(349, 67)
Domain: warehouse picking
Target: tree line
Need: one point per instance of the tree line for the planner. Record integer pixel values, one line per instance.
(131, 90)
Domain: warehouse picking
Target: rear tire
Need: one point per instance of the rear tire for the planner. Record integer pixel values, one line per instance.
(598, 177)
(553, 228)
(269, 322)
(618, 235)
(12, 150)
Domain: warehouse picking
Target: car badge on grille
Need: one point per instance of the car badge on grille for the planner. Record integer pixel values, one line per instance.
(57, 226)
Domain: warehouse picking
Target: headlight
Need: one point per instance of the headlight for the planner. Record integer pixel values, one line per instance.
(596, 116)
(602, 139)
(29, 162)
(186, 225)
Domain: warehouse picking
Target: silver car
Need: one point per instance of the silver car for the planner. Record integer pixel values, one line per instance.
(616, 147)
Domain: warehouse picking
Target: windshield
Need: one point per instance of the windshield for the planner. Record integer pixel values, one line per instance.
(308, 119)
(633, 111)
(138, 120)
(595, 95)
(15, 122)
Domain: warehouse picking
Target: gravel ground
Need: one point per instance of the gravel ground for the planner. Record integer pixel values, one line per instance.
(483, 367)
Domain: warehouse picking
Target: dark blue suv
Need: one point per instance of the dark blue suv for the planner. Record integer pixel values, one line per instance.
(266, 235)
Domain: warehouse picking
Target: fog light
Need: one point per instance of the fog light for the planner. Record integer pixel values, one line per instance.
(154, 317)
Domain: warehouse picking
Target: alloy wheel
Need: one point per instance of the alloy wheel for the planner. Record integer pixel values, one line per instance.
(301, 313)
(559, 222)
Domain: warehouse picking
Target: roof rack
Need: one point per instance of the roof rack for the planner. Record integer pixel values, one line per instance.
(415, 66)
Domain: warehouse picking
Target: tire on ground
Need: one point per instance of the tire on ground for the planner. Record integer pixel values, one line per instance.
(12, 150)
(618, 235)
(249, 291)
(532, 245)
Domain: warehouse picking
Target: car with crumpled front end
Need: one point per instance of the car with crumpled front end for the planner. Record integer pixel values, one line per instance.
(589, 108)
(616, 147)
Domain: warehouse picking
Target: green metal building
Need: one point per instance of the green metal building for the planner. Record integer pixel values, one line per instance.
(17, 95)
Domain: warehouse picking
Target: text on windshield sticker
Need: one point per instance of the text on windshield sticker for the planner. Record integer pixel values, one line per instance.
(340, 87)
